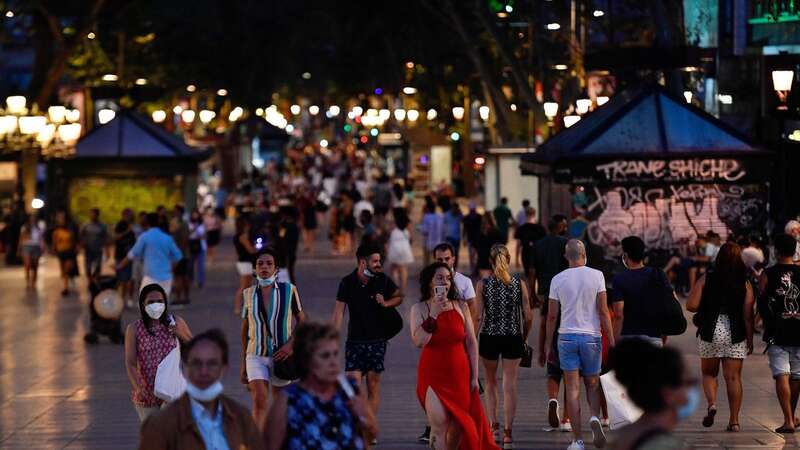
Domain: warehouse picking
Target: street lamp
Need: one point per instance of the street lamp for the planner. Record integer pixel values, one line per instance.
(458, 112)
(384, 114)
(16, 105)
(412, 115)
(105, 115)
(782, 83)
(583, 105)
(602, 100)
(357, 111)
(57, 114)
(399, 114)
(431, 115)
(334, 110)
(571, 120)
(551, 110)
(313, 110)
(207, 116)
(483, 111)
(688, 96)
(159, 116)
(187, 115)
(295, 109)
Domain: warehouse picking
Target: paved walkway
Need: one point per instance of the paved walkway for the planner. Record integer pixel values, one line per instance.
(56, 392)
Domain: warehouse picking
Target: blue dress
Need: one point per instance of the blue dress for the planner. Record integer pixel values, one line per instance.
(313, 424)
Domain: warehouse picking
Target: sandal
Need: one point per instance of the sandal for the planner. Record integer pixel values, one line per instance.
(708, 420)
(784, 430)
(508, 441)
(733, 428)
(496, 431)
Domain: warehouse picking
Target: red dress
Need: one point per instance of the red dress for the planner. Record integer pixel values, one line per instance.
(444, 367)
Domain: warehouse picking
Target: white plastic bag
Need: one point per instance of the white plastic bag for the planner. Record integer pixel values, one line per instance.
(170, 384)
(621, 410)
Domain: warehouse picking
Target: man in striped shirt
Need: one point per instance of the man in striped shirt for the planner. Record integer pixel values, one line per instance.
(268, 308)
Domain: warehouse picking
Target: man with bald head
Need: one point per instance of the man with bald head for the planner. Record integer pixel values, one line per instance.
(578, 295)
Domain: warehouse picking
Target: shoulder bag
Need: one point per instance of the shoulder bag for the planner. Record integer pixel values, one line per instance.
(669, 312)
(527, 350)
(390, 319)
(170, 383)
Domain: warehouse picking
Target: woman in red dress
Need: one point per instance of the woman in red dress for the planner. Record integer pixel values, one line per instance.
(447, 377)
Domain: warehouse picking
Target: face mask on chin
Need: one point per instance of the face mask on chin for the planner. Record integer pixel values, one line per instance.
(264, 282)
(204, 395)
(368, 273)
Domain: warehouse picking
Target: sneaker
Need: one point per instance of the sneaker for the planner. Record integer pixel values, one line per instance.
(426, 436)
(576, 445)
(598, 435)
(552, 413)
(565, 427)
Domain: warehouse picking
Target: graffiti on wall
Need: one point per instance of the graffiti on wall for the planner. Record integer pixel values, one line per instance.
(672, 216)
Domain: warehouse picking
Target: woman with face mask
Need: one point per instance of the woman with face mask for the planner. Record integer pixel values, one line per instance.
(147, 342)
(324, 409)
(662, 388)
(447, 376)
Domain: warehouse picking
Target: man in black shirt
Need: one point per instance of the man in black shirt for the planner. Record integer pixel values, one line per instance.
(124, 239)
(527, 234)
(364, 292)
(634, 290)
(779, 306)
(472, 229)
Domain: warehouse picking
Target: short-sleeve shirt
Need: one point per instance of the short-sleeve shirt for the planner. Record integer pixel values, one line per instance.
(528, 234)
(464, 287)
(638, 289)
(576, 289)
(126, 239)
(363, 325)
(269, 321)
(548, 260)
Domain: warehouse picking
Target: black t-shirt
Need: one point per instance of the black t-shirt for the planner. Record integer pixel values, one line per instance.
(548, 260)
(779, 305)
(472, 226)
(125, 239)
(638, 289)
(363, 325)
(528, 234)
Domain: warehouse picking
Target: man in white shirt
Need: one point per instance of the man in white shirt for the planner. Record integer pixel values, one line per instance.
(578, 294)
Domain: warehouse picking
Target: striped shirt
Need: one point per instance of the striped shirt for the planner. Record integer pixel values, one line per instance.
(269, 323)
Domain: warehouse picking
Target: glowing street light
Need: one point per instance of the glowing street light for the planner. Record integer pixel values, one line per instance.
(412, 115)
(553, 26)
(399, 114)
(73, 115)
(550, 109)
(431, 115)
(222, 92)
(334, 110)
(483, 111)
(602, 100)
(37, 203)
(458, 112)
(16, 105)
(159, 116)
(30, 125)
(583, 105)
(384, 114)
(323, 143)
(357, 111)
(295, 109)
(313, 110)
(207, 116)
(598, 13)
(408, 90)
(782, 83)
(57, 114)
(69, 133)
(187, 115)
(688, 96)
(236, 114)
(110, 77)
(141, 81)
(571, 120)
(105, 115)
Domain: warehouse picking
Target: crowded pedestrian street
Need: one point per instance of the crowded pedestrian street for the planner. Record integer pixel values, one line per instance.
(58, 392)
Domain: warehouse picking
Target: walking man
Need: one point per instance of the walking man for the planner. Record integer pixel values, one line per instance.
(634, 293)
(578, 296)
(364, 292)
(778, 306)
(94, 240)
(158, 251)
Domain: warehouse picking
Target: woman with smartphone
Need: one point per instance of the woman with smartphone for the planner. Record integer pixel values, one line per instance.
(447, 376)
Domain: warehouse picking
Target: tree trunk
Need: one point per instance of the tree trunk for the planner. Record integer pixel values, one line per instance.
(520, 79)
(500, 105)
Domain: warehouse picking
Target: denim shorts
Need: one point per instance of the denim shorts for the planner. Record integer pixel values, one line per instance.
(784, 361)
(581, 352)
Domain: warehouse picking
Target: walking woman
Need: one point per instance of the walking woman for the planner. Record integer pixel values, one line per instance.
(488, 237)
(447, 376)
(64, 243)
(504, 320)
(322, 410)
(213, 225)
(31, 243)
(147, 342)
(197, 248)
(398, 252)
(723, 302)
(244, 260)
(307, 204)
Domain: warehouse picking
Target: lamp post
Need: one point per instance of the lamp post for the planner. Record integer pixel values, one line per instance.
(32, 134)
(782, 83)
(551, 111)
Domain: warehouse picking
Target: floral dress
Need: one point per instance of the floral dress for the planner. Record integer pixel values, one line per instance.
(151, 349)
(314, 424)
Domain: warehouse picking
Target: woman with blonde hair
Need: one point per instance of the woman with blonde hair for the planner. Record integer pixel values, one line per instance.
(504, 319)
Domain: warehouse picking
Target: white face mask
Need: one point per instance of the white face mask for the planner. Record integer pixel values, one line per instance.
(264, 282)
(367, 273)
(155, 310)
(204, 395)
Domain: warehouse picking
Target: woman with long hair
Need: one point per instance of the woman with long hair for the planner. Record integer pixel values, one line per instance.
(323, 409)
(147, 342)
(31, 244)
(447, 376)
(488, 237)
(723, 302)
(504, 319)
(398, 252)
(245, 251)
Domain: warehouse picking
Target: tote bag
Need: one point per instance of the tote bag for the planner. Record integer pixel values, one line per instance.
(621, 410)
(170, 383)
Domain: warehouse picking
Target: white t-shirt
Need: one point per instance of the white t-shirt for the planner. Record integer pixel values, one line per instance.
(576, 290)
(466, 291)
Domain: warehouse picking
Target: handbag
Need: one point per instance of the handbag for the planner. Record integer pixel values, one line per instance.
(285, 369)
(669, 313)
(170, 383)
(621, 410)
(390, 320)
(527, 350)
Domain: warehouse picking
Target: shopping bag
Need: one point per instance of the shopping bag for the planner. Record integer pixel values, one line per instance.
(621, 410)
(170, 383)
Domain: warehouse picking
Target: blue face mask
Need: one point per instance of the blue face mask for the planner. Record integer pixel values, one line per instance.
(692, 402)
(264, 282)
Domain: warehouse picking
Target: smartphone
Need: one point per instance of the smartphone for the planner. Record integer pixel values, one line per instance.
(346, 387)
(440, 291)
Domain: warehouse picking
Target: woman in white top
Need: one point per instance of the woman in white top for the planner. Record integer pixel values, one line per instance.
(197, 248)
(31, 242)
(398, 252)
